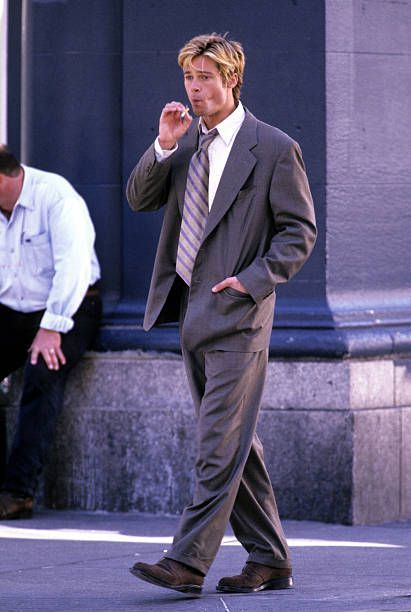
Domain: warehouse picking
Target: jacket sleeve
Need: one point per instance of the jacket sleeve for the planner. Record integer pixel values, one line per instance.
(149, 183)
(294, 226)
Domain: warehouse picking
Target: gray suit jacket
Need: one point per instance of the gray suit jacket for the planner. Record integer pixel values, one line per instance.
(261, 228)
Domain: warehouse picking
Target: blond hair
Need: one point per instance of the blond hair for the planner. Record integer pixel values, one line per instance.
(227, 54)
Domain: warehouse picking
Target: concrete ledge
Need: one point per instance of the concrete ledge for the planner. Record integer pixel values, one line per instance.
(336, 433)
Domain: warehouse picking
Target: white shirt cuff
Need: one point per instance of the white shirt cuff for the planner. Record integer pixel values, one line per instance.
(56, 323)
(162, 154)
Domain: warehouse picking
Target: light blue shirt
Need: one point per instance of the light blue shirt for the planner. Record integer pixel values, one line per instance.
(47, 257)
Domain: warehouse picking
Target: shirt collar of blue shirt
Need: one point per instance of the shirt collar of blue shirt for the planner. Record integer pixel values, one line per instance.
(24, 198)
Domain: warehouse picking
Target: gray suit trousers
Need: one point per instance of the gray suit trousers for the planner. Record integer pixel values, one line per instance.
(231, 481)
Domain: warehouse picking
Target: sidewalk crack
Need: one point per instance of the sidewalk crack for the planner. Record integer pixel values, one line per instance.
(226, 608)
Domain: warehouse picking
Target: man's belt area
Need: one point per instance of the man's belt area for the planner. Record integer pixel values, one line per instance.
(93, 290)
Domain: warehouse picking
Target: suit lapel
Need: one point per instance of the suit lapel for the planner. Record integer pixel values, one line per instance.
(239, 165)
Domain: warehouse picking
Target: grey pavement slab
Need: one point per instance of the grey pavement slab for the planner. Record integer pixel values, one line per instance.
(71, 560)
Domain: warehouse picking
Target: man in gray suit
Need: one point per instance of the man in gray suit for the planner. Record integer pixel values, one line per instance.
(239, 219)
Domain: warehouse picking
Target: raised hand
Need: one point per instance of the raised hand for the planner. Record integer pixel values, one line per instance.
(174, 123)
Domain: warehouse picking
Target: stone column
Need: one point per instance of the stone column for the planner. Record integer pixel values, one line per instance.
(368, 195)
(336, 419)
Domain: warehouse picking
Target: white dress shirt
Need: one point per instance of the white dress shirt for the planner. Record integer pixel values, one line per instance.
(218, 151)
(47, 257)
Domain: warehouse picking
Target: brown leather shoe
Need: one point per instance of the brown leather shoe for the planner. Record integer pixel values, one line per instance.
(13, 506)
(256, 577)
(170, 574)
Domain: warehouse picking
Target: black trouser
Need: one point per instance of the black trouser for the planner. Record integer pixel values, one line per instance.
(43, 389)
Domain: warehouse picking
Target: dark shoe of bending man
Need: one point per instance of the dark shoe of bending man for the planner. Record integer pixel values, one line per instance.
(14, 506)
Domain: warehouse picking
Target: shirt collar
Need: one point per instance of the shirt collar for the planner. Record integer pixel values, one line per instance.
(24, 198)
(229, 126)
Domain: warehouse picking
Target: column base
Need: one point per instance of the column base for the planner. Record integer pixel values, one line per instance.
(336, 434)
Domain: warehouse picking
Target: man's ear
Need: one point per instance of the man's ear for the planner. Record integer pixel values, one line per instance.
(232, 80)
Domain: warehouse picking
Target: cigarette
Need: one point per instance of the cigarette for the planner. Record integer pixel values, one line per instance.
(184, 112)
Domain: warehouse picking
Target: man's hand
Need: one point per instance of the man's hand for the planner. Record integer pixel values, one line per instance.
(230, 281)
(47, 343)
(172, 125)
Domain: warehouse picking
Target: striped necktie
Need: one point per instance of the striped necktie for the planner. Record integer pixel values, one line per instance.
(195, 210)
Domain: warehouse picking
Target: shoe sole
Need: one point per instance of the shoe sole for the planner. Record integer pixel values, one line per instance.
(270, 585)
(193, 589)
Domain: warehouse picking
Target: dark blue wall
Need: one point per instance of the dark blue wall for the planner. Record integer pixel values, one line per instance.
(284, 85)
(96, 74)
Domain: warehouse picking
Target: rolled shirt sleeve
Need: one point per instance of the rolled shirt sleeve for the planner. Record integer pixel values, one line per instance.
(72, 239)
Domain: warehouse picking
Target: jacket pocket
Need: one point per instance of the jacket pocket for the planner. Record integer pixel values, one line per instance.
(234, 293)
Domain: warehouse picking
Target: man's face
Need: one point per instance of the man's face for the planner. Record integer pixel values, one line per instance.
(10, 188)
(3, 189)
(209, 97)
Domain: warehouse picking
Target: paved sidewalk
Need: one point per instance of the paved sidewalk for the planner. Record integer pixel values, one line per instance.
(67, 560)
